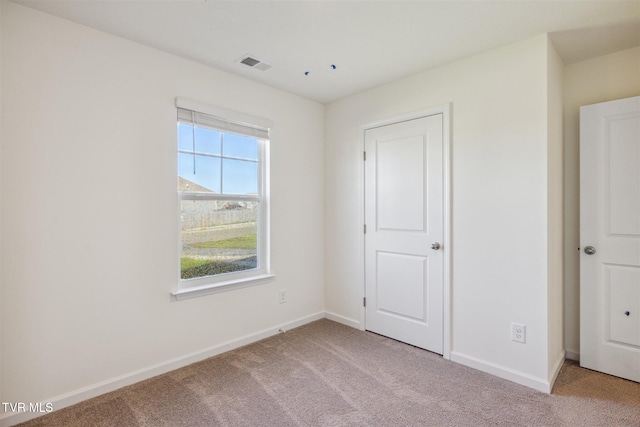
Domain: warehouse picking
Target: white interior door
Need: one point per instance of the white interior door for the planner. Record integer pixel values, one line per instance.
(404, 219)
(610, 237)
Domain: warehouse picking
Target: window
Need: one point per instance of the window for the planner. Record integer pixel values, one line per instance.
(222, 193)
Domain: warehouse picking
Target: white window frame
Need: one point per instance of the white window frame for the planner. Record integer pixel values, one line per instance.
(189, 288)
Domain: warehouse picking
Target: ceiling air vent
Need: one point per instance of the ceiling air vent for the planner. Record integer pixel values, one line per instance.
(252, 62)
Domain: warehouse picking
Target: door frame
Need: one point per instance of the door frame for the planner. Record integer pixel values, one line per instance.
(445, 110)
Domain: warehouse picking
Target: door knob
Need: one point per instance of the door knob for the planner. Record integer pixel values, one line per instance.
(589, 250)
(435, 246)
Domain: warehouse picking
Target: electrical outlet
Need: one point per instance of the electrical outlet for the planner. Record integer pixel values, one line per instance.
(518, 332)
(282, 296)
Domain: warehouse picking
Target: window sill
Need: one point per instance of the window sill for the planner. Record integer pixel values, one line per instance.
(215, 288)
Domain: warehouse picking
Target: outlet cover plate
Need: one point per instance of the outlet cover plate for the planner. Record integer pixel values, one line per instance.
(518, 332)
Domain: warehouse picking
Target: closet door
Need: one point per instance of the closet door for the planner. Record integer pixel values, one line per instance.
(610, 237)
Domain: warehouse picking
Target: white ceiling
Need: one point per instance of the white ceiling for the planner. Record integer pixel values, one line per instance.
(370, 42)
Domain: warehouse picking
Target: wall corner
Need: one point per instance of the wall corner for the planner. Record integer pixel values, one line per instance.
(555, 212)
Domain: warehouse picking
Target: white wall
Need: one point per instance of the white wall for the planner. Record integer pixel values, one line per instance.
(500, 194)
(595, 80)
(90, 234)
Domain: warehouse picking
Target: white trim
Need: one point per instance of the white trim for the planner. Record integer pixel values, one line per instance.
(445, 110)
(342, 319)
(185, 195)
(539, 384)
(556, 369)
(94, 390)
(216, 288)
(432, 111)
(447, 226)
(361, 222)
(572, 355)
(230, 115)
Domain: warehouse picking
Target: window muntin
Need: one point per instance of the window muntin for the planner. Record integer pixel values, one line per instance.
(221, 187)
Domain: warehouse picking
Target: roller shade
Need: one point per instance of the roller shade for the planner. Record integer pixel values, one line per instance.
(196, 118)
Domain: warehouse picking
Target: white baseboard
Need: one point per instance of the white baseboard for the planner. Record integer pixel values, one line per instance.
(517, 377)
(94, 390)
(573, 355)
(341, 319)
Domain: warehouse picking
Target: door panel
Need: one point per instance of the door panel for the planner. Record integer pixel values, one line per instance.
(404, 214)
(624, 175)
(624, 296)
(400, 161)
(610, 222)
(400, 285)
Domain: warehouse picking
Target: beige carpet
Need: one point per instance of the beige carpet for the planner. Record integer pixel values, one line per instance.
(327, 374)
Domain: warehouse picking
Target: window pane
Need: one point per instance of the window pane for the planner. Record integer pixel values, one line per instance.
(198, 173)
(243, 147)
(239, 177)
(217, 237)
(185, 137)
(207, 140)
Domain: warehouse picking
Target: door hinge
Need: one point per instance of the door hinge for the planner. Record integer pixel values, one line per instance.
(364, 156)
(365, 229)
(364, 301)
